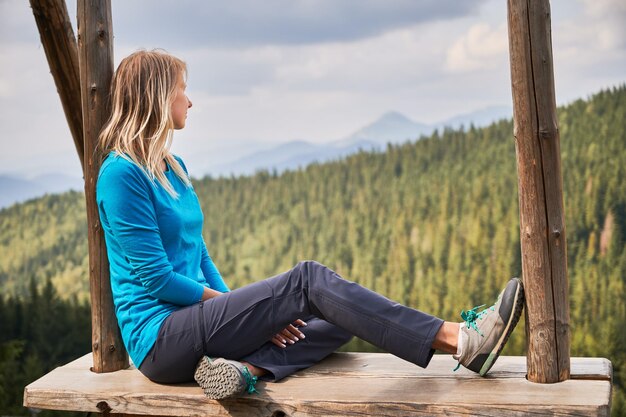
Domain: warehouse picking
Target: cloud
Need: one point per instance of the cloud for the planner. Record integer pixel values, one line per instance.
(589, 48)
(391, 62)
(244, 23)
(481, 48)
(608, 19)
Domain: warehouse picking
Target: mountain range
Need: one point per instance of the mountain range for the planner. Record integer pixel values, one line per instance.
(14, 188)
(391, 127)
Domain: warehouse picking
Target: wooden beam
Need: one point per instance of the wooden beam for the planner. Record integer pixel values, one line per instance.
(95, 46)
(542, 223)
(59, 44)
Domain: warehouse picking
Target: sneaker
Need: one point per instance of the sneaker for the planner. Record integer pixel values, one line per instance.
(223, 378)
(485, 333)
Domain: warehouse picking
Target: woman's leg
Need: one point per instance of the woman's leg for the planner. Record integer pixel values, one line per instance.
(236, 324)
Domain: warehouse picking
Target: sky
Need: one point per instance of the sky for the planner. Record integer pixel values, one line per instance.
(273, 71)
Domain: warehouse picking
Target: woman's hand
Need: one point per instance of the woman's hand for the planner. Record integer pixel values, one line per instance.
(289, 335)
(209, 293)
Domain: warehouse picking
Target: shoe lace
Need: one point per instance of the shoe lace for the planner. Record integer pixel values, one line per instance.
(470, 317)
(250, 380)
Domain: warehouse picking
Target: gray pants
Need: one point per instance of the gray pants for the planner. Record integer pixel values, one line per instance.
(239, 324)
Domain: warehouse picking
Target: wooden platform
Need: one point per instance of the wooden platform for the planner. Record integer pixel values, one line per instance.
(345, 384)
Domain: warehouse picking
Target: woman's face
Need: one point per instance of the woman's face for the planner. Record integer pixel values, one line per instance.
(180, 104)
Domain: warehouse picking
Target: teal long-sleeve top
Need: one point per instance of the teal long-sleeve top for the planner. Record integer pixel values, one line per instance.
(158, 259)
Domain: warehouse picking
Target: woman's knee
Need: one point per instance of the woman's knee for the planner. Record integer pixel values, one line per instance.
(311, 268)
(307, 264)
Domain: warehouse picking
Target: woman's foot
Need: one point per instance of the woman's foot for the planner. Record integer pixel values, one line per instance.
(484, 334)
(223, 378)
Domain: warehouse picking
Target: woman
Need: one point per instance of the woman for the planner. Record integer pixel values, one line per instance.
(178, 318)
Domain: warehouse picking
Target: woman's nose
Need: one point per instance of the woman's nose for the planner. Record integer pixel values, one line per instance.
(189, 103)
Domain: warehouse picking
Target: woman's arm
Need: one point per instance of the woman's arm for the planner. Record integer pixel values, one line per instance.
(210, 272)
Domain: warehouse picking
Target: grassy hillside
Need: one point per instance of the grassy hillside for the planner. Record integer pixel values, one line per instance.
(432, 223)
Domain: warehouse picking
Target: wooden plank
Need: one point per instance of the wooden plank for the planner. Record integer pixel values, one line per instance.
(95, 46)
(382, 364)
(345, 384)
(59, 44)
(542, 223)
(376, 364)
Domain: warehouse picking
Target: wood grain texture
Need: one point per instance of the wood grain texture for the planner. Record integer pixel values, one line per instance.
(95, 45)
(345, 384)
(542, 223)
(59, 44)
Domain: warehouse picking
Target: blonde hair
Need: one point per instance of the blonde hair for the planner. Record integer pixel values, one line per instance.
(140, 127)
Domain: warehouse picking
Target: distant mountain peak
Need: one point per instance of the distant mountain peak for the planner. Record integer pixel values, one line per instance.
(393, 116)
(392, 119)
(392, 126)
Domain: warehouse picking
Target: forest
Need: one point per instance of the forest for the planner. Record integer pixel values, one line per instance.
(432, 223)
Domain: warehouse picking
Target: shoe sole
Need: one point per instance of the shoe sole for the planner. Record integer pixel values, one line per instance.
(513, 319)
(218, 380)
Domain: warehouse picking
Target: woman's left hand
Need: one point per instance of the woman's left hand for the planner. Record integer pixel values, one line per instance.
(289, 335)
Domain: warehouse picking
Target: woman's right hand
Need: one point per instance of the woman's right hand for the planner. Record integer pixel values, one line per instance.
(209, 293)
(289, 335)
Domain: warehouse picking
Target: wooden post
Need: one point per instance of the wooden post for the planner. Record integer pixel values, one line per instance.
(59, 44)
(542, 223)
(95, 46)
